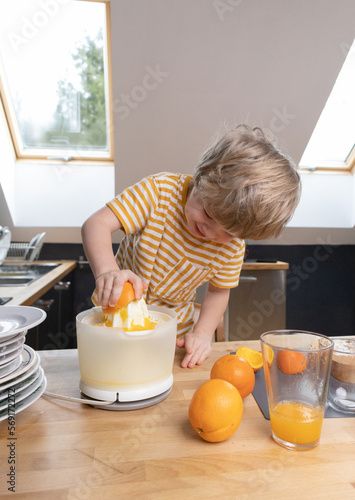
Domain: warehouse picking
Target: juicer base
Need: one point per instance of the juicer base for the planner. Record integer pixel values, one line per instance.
(125, 394)
(132, 405)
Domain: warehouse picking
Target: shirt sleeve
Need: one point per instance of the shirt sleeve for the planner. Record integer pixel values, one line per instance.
(228, 275)
(134, 205)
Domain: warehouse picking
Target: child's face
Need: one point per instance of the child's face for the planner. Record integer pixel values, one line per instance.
(201, 224)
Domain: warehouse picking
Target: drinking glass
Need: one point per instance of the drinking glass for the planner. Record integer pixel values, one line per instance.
(296, 367)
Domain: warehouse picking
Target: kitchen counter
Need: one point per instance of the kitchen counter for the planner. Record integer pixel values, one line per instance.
(258, 265)
(67, 450)
(27, 295)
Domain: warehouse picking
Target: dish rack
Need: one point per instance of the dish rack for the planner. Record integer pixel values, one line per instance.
(26, 251)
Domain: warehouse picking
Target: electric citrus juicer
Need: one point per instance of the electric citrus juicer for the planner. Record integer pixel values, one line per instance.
(128, 369)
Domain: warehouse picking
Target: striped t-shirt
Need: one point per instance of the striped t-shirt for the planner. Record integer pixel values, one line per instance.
(159, 248)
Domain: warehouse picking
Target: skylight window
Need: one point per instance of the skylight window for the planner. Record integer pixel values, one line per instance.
(54, 78)
(332, 143)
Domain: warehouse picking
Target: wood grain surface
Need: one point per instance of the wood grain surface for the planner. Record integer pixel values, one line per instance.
(71, 451)
(264, 266)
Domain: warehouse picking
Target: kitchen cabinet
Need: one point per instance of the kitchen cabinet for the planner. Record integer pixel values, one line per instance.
(58, 331)
(258, 304)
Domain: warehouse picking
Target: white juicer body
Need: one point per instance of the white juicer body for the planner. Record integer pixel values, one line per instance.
(126, 366)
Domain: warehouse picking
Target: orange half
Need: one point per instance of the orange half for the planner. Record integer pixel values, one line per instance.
(254, 358)
(291, 362)
(127, 295)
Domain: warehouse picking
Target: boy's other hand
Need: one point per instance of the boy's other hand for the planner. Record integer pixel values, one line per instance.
(197, 347)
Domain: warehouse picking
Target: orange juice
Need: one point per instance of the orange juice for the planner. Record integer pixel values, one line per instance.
(296, 423)
(149, 324)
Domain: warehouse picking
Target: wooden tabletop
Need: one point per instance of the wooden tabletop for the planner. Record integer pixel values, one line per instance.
(27, 295)
(71, 451)
(258, 265)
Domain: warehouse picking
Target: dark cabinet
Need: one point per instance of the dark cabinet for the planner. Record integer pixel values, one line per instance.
(58, 329)
(257, 305)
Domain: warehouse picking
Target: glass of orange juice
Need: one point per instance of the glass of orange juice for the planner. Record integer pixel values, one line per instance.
(296, 368)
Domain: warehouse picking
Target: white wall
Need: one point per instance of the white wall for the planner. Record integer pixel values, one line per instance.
(7, 175)
(184, 69)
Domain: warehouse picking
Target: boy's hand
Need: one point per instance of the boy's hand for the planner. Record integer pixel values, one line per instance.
(198, 343)
(197, 347)
(109, 286)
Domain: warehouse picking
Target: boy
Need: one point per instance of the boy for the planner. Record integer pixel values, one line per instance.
(182, 231)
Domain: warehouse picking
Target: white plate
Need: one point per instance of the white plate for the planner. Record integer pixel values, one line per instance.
(20, 386)
(18, 336)
(10, 367)
(29, 357)
(25, 403)
(22, 377)
(4, 350)
(6, 358)
(16, 319)
(19, 396)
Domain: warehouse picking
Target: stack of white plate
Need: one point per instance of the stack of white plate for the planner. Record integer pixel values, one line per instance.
(22, 379)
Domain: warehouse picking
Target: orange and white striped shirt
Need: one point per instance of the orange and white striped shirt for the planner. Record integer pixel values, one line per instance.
(158, 247)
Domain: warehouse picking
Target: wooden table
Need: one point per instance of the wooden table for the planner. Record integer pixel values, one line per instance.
(27, 295)
(71, 451)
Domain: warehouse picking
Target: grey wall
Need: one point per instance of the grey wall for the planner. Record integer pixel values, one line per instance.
(270, 63)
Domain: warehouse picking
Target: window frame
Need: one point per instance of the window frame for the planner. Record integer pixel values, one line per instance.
(335, 167)
(346, 166)
(61, 155)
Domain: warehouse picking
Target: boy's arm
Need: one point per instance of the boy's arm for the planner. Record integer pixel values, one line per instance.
(96, 234)
(213, 307)
(198, 342)
(97, 241)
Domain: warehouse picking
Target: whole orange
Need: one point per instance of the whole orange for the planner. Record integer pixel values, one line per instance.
(216, 410)
(127, 295)
(291, 362)
(235, 370)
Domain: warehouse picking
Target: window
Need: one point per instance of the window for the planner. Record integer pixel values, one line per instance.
(54, 78)
(331, 146)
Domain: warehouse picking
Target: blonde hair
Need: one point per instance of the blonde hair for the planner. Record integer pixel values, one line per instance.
(248, 185)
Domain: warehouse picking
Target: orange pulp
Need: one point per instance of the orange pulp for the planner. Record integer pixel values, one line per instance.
(296, 423)
(149, 324)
